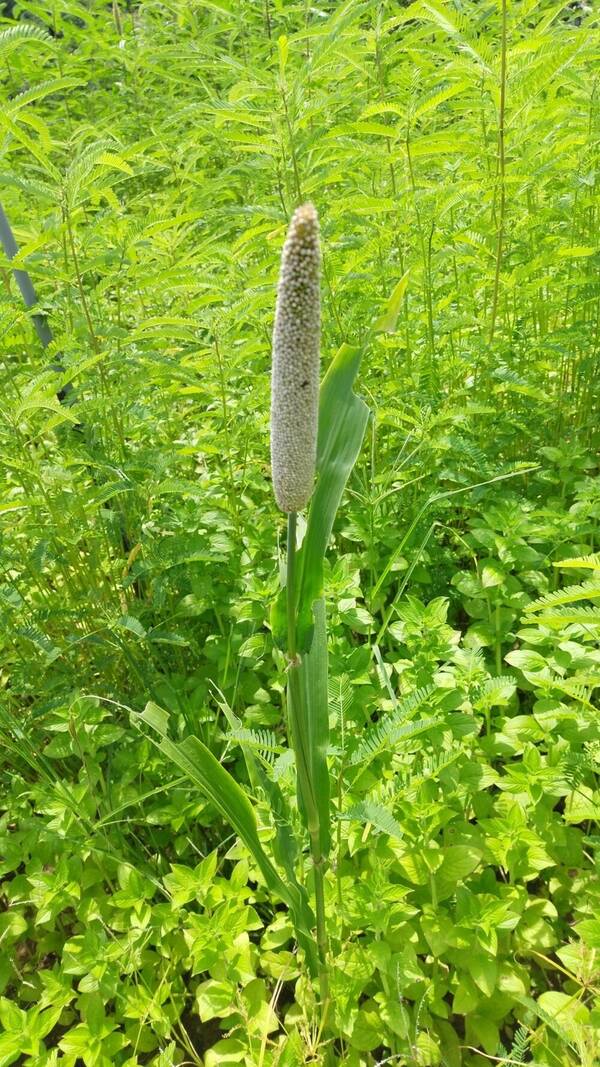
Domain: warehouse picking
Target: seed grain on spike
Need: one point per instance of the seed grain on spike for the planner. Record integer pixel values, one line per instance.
(295, 373)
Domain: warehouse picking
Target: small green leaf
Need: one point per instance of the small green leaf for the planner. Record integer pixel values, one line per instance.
(11, 1016)
(526, 660)
(366, 1032)
(458, 862)
(481, 1030)
(394, 1015)
(484, 971)
(215, 999)
(589, 932)
(570, 1014)
(114, 162)
(129, 622)
(229, 1050)
(492, 574)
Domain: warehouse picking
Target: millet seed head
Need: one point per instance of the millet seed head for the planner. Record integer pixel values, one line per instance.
(295, 371)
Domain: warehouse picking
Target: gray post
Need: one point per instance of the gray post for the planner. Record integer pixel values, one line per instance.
(40, 322)
(23, 280)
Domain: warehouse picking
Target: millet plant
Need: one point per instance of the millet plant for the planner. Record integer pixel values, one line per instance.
(316, 435)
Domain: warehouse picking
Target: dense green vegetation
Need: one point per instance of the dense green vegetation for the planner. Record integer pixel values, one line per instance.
(152, 155)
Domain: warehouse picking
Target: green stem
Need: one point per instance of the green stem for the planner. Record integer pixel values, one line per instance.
(322, 942)
(303, 770)
(425, 252)
(296, 708)
(233, 500)
(501, 174)
(292, 146)
(291, 584)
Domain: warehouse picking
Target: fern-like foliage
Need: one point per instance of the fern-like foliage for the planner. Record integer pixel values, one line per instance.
(263, 742)
(569, 595)
(9, 320)
(31, 186)
(428, 768)
(578, 765)
(567, 616)
(40, 640)
(39, 91)
(553, 1022)
(283, 764)
(495, 691)
(395, 727)
(520, 1046)
(367, 811)
(16, 35)
(575, 689)
(339, 692)
(590, 562)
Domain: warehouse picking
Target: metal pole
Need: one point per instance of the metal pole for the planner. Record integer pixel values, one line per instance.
(40, 322)
(23, 280)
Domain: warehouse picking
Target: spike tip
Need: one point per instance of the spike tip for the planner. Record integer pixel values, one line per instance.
(295, 371)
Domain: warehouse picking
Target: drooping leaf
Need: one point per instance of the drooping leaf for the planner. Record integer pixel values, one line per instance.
(201, 767)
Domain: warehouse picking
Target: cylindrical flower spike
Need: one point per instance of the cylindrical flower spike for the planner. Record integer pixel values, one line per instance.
(295, 374)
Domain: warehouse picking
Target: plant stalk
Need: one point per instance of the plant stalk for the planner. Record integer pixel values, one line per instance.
(501, 174)
(296, 696)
